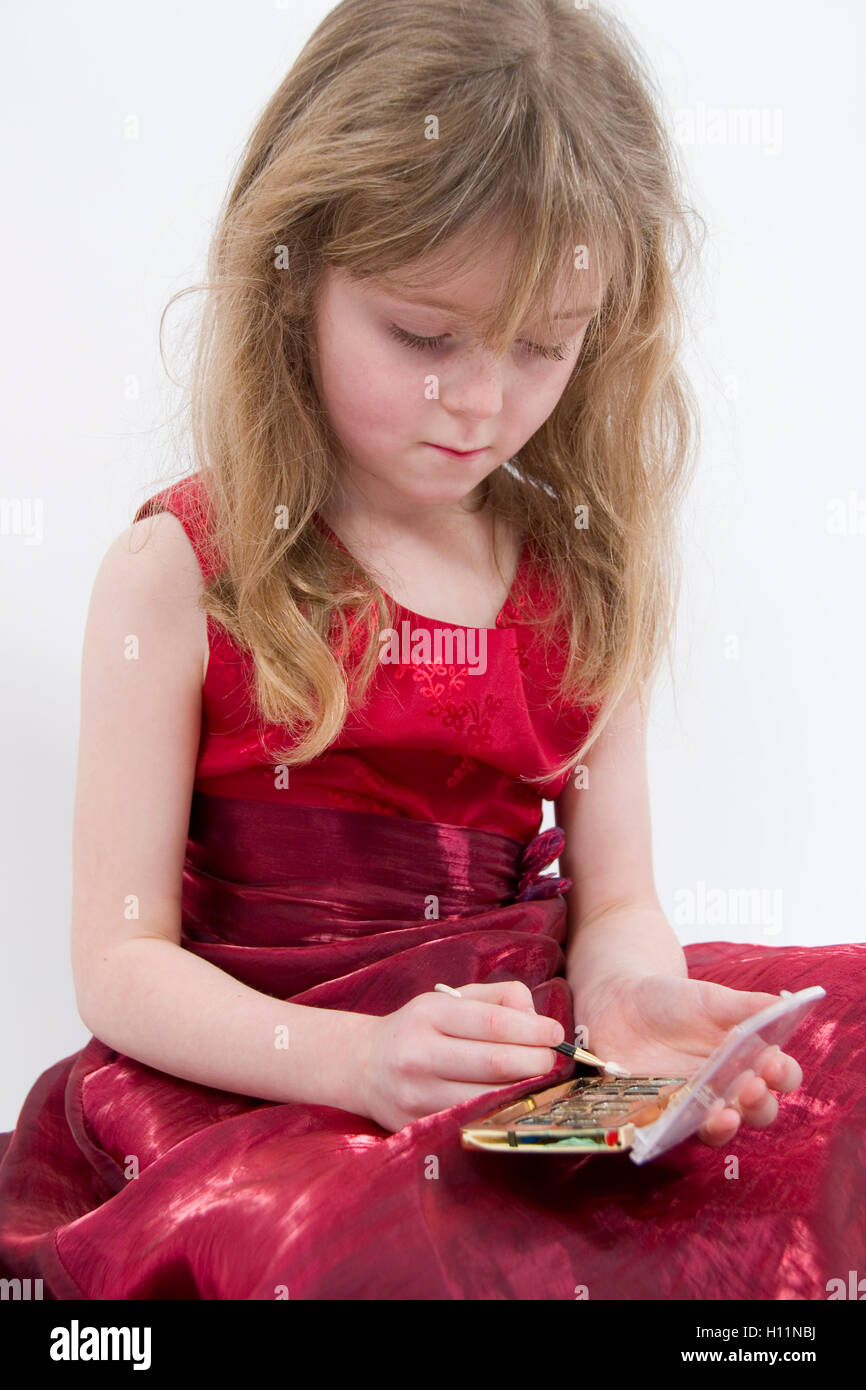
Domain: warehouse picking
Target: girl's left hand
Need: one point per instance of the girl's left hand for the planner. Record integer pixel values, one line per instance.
(668, 1025)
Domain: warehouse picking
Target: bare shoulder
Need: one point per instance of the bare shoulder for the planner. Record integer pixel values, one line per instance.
(154, 559)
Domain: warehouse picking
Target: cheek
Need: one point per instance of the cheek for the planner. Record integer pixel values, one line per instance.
(363, 388)
(537, 402)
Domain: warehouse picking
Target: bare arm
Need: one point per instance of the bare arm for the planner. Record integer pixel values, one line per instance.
(616, 923)
(174, 1011)
(137, 989)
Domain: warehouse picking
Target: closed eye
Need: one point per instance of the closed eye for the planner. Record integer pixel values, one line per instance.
(556, 354)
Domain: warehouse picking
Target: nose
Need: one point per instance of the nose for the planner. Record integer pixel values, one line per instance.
(473, 386)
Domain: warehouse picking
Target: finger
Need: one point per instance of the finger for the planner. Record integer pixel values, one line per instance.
(513, 994)
(727, 1007)
(781, 1072)
(449, 1094)
(490, 1064)
(483, 1020)
(757, 1105)
(720, 1127)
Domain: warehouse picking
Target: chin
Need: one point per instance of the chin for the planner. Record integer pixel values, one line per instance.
(437, 495)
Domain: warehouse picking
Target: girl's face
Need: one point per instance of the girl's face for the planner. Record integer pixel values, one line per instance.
(392, 398)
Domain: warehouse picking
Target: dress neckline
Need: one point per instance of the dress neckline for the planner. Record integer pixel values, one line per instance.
(501, 617)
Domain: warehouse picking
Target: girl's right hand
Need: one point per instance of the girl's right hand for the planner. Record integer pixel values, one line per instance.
(437, 1051)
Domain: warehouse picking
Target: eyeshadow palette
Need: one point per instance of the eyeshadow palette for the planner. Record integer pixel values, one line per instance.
(642, 1115)
(589, 1114)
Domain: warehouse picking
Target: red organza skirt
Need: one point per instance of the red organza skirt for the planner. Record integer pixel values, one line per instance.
(238, 1198)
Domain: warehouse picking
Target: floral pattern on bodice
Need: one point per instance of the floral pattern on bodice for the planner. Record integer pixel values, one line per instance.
(442, 686)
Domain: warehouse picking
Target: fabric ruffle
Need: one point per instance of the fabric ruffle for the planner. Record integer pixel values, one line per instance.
(532, 884)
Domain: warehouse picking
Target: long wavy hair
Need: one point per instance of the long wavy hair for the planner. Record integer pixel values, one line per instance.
(550, 132)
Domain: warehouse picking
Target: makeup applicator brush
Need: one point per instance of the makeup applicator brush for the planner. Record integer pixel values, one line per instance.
(577, 1054)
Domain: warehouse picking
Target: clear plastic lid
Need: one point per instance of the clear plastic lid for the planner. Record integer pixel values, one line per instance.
(713, 1086)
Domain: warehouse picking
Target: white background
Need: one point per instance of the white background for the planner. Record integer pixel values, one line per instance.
(757, 770)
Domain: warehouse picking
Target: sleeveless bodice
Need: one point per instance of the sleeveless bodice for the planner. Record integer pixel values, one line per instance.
(446, 734)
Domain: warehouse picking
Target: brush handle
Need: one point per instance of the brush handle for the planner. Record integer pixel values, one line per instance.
(579, 1054)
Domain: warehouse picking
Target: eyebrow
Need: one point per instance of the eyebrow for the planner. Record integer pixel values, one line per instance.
(458, 309)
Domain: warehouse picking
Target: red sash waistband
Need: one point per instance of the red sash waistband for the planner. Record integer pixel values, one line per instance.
(287, 896)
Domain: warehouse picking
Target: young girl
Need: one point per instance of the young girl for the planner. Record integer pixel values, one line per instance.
(421, 578)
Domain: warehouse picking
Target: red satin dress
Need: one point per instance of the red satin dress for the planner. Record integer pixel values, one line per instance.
(318, 892)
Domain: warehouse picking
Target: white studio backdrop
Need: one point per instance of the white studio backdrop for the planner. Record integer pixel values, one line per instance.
(120, 132)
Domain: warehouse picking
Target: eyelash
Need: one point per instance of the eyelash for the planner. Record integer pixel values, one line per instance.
(555, 354)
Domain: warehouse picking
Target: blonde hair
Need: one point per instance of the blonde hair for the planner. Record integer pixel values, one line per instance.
(549, 131)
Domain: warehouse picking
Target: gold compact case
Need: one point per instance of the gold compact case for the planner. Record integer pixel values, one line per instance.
(644, 1115)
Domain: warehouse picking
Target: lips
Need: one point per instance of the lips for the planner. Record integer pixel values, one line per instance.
(449, 450)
